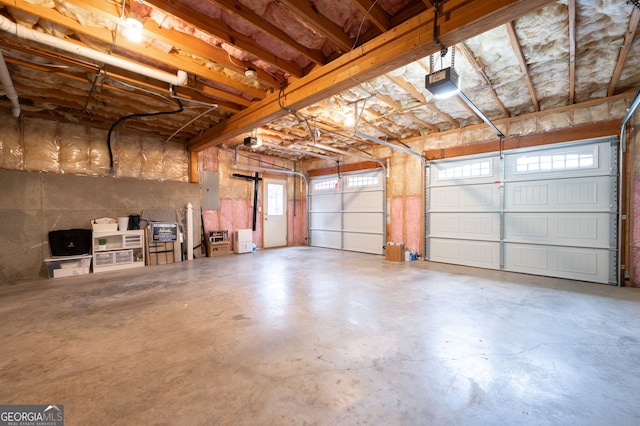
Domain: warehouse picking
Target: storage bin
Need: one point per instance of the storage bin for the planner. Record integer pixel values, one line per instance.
(67, 266)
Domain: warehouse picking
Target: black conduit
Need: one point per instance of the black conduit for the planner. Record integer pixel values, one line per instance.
(126, 117)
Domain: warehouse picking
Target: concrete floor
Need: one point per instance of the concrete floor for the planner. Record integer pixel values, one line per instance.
(303, 336)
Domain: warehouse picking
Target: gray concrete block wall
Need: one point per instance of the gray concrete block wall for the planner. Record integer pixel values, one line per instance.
(32, 204)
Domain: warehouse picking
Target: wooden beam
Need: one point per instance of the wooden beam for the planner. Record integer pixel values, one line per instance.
(429, 126)
(407, 87)
(624, 50)
(221, 31)
(403, 44)
(572, 51)
(483, 75)
(586, 131)
(193, 167)
(344, 168)
(235, 8)
(515, 43)
(305, 10)
(156, 55)
(372, 11)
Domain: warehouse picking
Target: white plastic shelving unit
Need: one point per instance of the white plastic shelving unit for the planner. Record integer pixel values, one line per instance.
(123, 249)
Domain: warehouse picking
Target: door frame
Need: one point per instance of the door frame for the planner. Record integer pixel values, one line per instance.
(265, 204)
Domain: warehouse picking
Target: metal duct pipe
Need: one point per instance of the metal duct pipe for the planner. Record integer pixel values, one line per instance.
(9, 90)
(28, 34)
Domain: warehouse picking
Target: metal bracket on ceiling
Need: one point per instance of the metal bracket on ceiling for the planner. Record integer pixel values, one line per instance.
(436, 40)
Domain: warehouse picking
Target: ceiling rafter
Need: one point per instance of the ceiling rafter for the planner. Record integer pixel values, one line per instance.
(407, 87)
(483, 75)
(375, 13)
(237, 9)
(409, 41)
(443, 114)
(172, 37)
(624, 50)
(517, 48)
(184, 42)
(572, 51)
(222, 32)
(427, 125)
(333, 32)
(106, 36)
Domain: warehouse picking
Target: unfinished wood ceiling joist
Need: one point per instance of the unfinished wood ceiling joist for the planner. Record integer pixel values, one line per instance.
(315, 58)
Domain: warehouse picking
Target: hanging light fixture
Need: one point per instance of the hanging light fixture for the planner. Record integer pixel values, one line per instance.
(250, 74)
(132, 30)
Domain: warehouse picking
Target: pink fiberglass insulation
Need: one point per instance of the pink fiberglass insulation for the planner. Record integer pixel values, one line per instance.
(396, 225)
(297, 225)
(344, 14)
(413, 223)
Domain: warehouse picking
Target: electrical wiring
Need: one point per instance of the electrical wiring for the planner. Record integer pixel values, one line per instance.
(127, 117)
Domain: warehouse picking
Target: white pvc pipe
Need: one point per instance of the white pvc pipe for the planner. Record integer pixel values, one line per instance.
(28, 34)
(9, 90)
(190, 232)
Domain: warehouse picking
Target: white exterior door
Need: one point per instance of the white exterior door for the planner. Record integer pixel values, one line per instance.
(347, 212)
(546, 211)
(275, 213)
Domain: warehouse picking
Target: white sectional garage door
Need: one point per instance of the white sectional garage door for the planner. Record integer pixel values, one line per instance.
(545, 211)
(347, 212)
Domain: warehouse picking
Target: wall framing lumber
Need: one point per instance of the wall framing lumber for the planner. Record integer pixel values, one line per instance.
(575, 133)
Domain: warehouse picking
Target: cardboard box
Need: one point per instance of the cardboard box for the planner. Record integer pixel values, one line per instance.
(218, 249)
(161, 253)
(394, 252)
(67, 266)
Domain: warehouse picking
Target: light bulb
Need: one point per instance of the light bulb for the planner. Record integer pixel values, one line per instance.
(133, 30)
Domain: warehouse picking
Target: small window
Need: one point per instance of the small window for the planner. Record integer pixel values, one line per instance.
(466, 171)
(358, 181)
(326, 184)
(585, 158)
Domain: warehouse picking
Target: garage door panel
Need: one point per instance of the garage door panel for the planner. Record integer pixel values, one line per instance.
(582, 229)
(482, 254)
(329, 221)
(476, 226)
(363, 201)
(561, 161)
(326, 239)
(363, 222)
(556, 211)
(351, 219)
(326, 203)
(559, 261)
(484, 197)
(575, 194)
(364, 243)
(480, 169)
